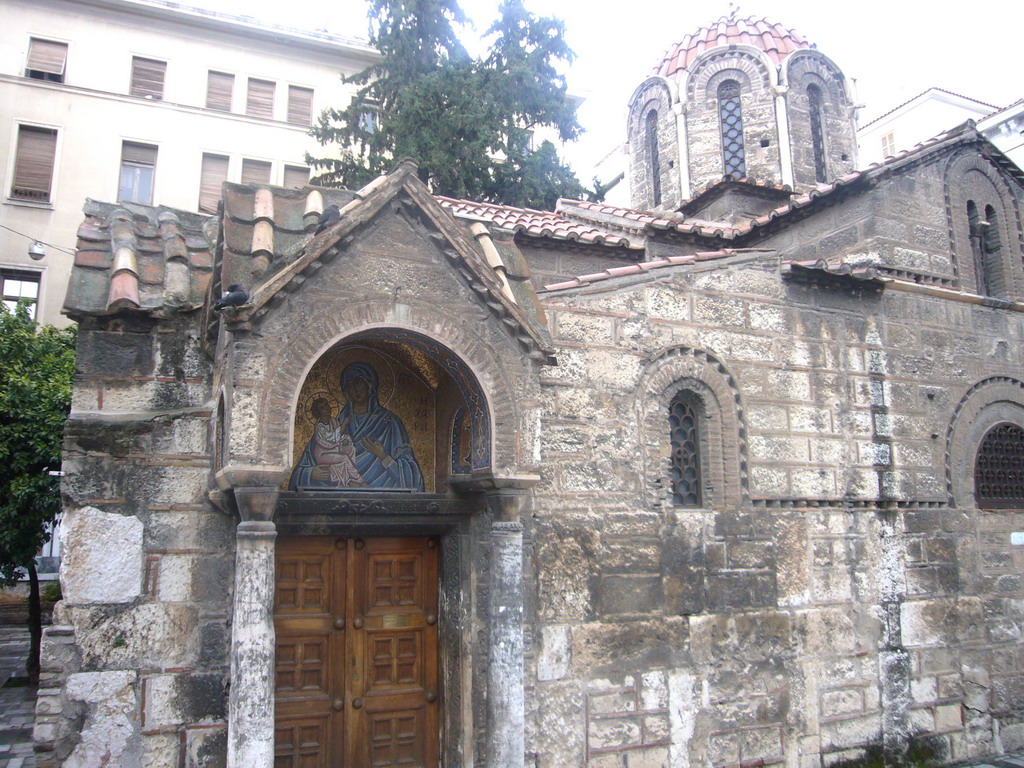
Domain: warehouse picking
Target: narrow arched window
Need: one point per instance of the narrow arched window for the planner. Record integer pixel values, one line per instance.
(817, 133)
(990, 247)
(978, 229)
(999, 469)
(730, 118)
(684, 427)
(651, 136)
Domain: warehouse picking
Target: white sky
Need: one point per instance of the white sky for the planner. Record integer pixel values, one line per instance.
(894, 49)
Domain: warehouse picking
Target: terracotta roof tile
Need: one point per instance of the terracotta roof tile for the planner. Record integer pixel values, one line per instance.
(644, 267)
(123, 257)
(534, 223)
(774, 39)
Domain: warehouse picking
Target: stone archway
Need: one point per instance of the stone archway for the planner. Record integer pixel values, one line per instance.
(473, 514)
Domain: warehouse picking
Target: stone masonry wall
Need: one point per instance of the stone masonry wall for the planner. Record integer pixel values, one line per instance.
(842, 604)
(135, 666)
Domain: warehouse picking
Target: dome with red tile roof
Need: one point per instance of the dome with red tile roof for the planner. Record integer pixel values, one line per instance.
(774, 39)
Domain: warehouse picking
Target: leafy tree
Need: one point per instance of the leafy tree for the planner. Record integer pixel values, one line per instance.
(467, 121)
(36, 369)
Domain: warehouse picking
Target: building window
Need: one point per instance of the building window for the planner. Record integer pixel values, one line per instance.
(999, 468)
(255, 172)
(219, 87)
(296, 176)
(259, 100)
(46, 60)
(33, 164)
(369, 119)
(684, 427)
(300, 105)
(651, 134)
(138, 167)
(731, 123)
(817, 133)
(147, 78)
(985, 248)
(212, 175)
(17, 285)
(889, 144)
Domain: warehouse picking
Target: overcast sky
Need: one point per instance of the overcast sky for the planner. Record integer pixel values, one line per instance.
(893, 49)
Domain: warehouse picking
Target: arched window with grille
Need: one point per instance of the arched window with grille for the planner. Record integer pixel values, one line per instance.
(814, 111)
(684, 418)
(651, 138)
(730, 117)
(999, 468)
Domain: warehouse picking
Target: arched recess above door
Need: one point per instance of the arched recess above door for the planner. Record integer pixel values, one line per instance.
(388, 410)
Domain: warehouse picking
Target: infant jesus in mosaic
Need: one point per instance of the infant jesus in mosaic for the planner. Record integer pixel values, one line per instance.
(333, 448)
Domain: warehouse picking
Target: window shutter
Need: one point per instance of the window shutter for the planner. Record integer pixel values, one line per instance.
(260, 99)
(148, 78)
(33, 166)
(219, 86)
(47, 56)
(255, 172)
(300, 105)
(296, 176)
(213, 174)
(140, 154)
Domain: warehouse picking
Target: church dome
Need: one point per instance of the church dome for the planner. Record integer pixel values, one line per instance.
(774, 39)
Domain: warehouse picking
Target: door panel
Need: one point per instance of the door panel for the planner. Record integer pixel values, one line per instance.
(357, 664)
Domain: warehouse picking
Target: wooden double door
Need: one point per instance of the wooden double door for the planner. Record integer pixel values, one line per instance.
(357, 669)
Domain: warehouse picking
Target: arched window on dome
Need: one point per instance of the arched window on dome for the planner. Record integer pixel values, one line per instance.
(730, 118)
(999, 468)
(651, 139)
(685, 415)
(814, 103)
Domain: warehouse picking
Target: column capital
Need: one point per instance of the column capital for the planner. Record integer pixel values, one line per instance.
(255, 487)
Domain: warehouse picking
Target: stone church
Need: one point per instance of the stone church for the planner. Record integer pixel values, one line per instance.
(733, 478)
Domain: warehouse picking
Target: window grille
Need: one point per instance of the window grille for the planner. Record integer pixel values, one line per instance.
(300, 105)
(147, 78)
(817, 134)
(219, 87)
(213, 173)
(46, 60)
(651, 137)
(731, 118)
(260, 99)
(999, 470)
(684, 427)
(33, 163)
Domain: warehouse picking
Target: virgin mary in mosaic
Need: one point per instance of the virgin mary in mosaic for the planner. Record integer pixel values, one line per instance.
(359, 445)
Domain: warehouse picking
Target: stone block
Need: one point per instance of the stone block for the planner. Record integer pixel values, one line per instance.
(555, 653)
(174, 700)
(120, 355)
(651, 757)
(629, 594)
(206, 747)
(110, 732)
(102, 559)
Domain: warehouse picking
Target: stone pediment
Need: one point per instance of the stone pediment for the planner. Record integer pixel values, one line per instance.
(272, 251)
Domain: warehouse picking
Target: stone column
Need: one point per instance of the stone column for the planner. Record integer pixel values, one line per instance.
(508, 498)
(507, 744)
(251, 701)
(785, 143)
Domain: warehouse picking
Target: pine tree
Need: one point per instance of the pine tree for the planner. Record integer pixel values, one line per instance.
(467, 122)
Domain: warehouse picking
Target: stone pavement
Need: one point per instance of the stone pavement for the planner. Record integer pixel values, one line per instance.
(17, 710)
(17, 704)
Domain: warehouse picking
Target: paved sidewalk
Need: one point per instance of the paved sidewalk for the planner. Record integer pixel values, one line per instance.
(17, 704)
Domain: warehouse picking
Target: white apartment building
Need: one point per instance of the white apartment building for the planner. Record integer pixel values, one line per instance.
(150, 102)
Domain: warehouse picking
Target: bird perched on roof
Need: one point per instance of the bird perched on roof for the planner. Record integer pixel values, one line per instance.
(235, 296)
(330, 217)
